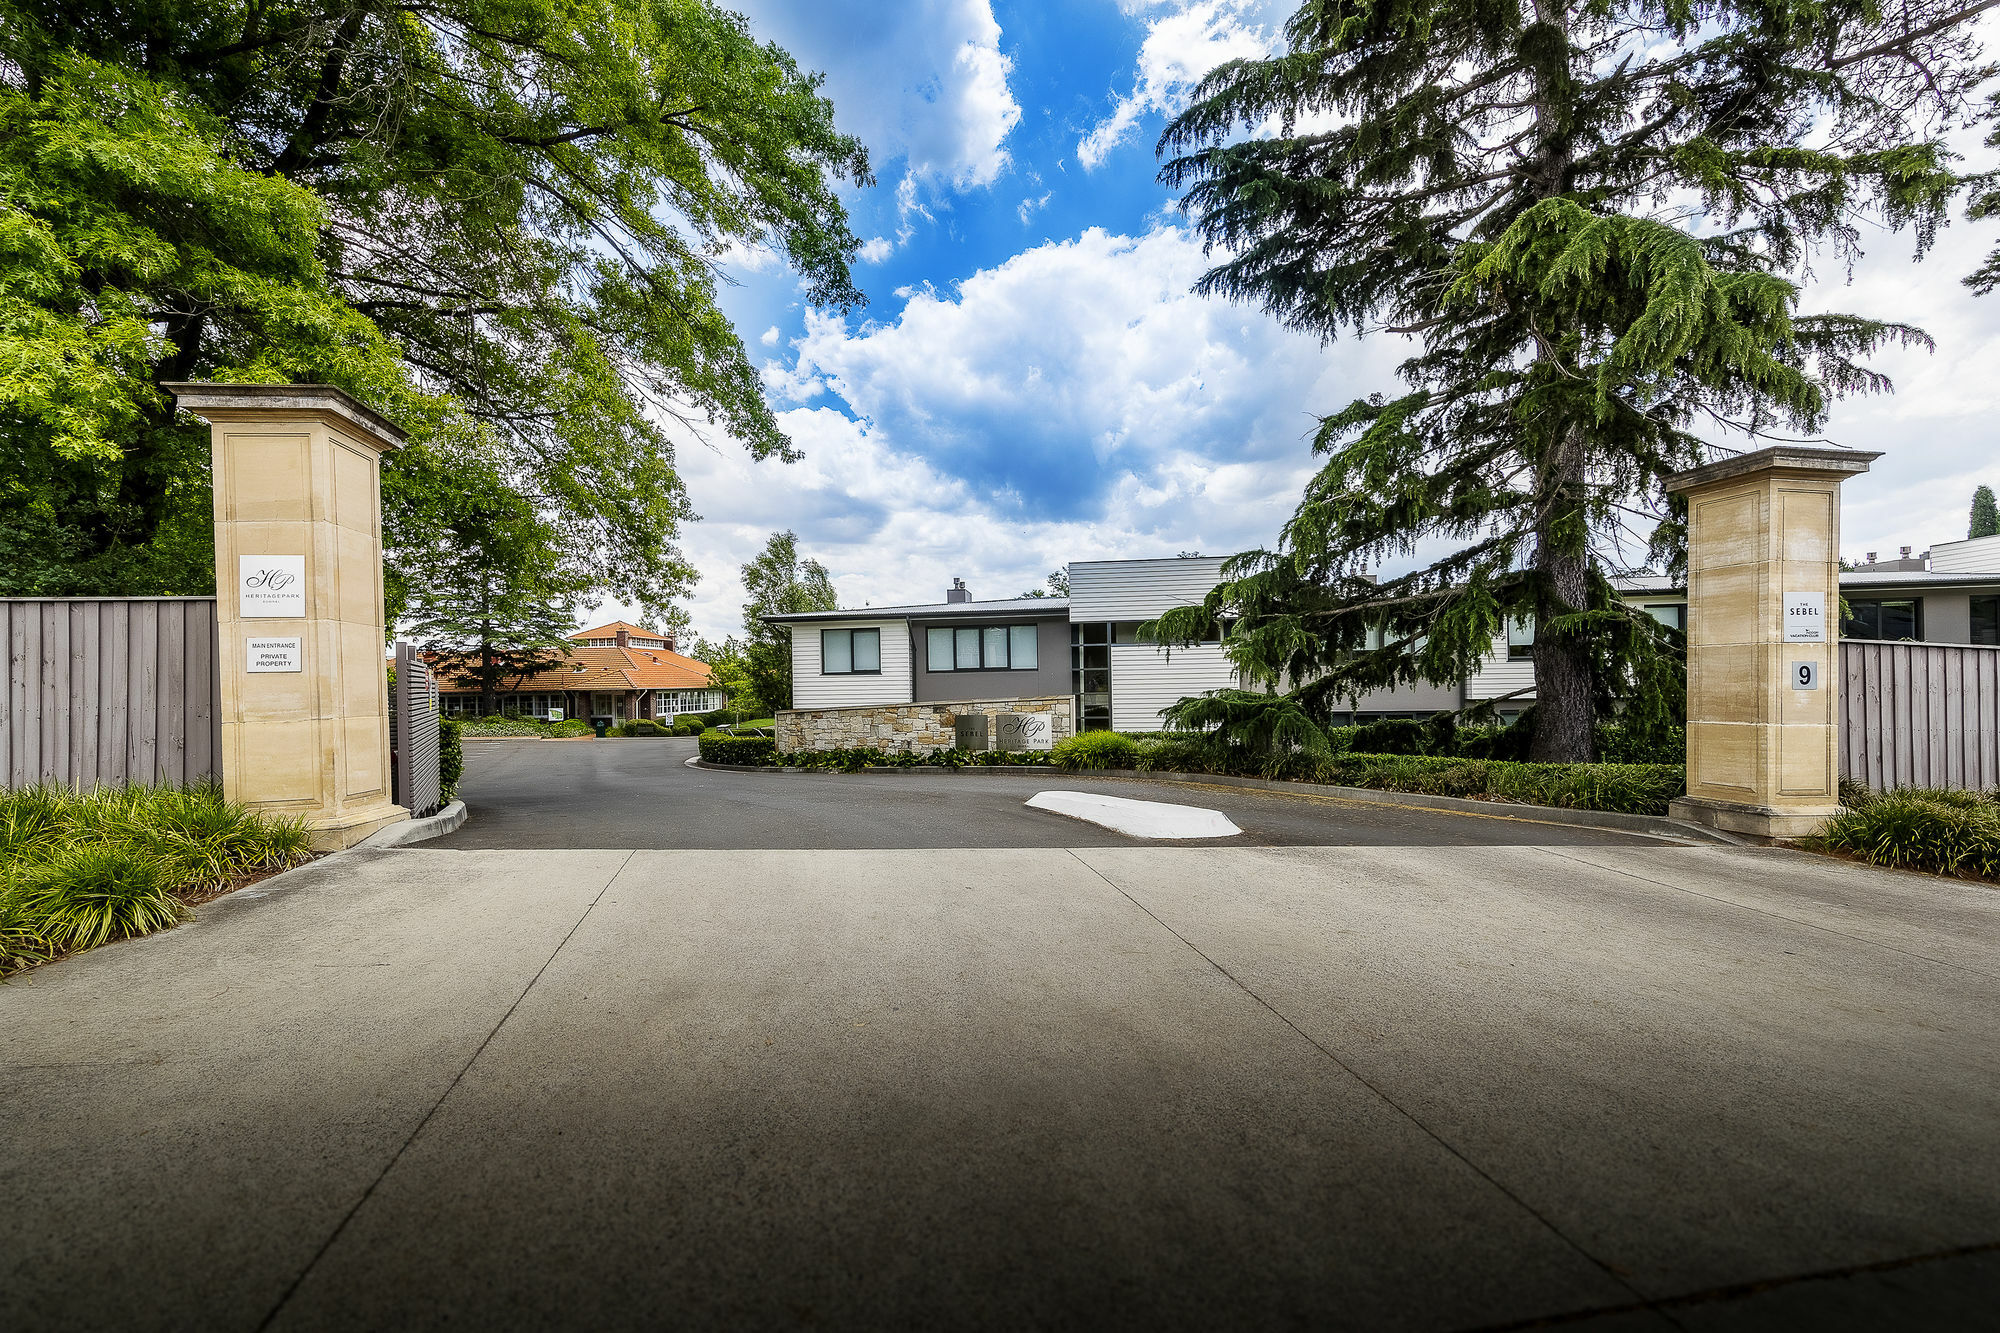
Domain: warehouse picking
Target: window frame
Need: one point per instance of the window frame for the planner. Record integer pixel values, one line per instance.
(1853, 619)
(852, 670)
(977, 640)
(1992, 626)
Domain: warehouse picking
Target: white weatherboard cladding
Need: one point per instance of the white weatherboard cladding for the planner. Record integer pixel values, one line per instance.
(810, 689)
(1146, 679)
(1138, 589)
(1978, 555)
(1497, 674)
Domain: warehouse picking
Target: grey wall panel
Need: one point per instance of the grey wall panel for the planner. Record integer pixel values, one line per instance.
(1920, 715)
(107, 690)
(1049, 678)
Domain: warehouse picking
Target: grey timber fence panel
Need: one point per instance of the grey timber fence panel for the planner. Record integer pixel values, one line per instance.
(1920, 715)
(107, 690)
(414, 735)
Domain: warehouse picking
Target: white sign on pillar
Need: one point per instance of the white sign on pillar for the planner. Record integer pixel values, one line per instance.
(1805, 617)
(265, 655)
(270, 587)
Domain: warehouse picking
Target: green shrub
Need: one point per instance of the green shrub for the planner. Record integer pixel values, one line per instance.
(85, 894)
(451, 759)
(569, 726)
(646, 727)
(689, 726)
(1178, 754)
(1636, 789)
(1915, 828)
(30, 817)
(1096, 749)
(505, 726)
(718, 747)
(1618, 744)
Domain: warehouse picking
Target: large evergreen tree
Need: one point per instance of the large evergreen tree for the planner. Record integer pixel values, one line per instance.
(507, 214)
(486, 586)
(1985, 514)
(778, 582)
(1592, 219)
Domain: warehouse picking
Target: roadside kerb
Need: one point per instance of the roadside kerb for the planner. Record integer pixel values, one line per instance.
(419, 830)
(1657, 826)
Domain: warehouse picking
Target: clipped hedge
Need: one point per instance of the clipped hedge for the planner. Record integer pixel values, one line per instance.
(719, 747)
(451, 760)
(1097, 749)
(1917, 828)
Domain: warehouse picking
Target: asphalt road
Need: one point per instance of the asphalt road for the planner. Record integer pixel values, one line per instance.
(1444, 1084)
(641, 793)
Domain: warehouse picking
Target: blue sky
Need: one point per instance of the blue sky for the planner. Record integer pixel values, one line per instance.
(1031, 382)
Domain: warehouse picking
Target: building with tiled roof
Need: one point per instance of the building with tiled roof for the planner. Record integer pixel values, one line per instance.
(618, 671)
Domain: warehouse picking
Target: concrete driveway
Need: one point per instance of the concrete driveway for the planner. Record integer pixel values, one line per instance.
(1430, 1086)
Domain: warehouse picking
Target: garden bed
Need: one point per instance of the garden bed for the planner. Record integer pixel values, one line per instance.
(82, 869)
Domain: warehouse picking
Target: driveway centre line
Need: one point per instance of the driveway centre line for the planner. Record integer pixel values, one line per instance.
(404, 1147)
(1367, 1083)
(1765, 911)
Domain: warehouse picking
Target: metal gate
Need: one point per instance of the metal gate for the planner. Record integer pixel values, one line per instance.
(413, 733)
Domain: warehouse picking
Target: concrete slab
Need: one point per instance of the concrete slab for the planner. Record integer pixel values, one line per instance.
(189, 1116)
(1138, 819)
(1696, 1092)
(914, 1089)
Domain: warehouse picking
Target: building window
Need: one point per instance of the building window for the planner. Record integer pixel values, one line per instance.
(986, 648)
(1090, 675)
(1901, 620)
(1520, 638)
(1671, 614)
(850, 652)
(1986, 621)
(673, 703)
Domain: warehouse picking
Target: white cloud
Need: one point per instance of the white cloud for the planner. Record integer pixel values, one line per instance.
(1180, 47)
(770, 338)
(876, 249)
(1072, 402)
(1030, 206)
(925, 83)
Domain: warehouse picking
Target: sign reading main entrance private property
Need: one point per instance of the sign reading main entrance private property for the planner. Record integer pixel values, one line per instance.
(272, 655)
(1805, 617)
(270, 587)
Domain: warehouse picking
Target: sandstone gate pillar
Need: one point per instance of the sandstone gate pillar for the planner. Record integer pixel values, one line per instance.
(298, 580)
(1763, 631)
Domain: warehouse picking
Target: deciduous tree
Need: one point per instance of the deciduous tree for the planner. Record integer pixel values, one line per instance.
(778, 582)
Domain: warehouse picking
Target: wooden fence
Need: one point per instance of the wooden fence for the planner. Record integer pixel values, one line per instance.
(1920, 715)
(109, 690)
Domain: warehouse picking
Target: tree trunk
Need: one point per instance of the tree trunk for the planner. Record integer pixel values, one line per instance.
(1564, 722)
(489, 696)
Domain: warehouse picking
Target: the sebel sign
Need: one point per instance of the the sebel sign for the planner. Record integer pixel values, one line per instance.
(270, 587)
(1805, 618)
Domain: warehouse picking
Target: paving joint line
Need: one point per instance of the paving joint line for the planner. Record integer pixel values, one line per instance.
(1739, 1290)
(1372, 1087)
(369, 1193)
(1766, 912)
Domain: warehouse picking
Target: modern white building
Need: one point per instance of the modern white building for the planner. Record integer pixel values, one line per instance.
(1085, 649)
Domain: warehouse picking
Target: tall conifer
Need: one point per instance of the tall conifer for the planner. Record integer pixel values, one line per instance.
(1592, 218)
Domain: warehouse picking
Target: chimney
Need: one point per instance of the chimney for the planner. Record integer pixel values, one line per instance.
(1871, 558)
(668, 639)
(958, 592)
(1906, 553)
(624, 638)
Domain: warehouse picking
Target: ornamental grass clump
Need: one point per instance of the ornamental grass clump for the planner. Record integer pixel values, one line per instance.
(80, 868)
(1918, 828)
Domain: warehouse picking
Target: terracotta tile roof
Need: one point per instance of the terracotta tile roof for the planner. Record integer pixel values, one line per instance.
(610, 631)
(606, 669)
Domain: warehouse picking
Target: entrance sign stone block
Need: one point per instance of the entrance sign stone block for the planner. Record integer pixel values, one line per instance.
(297, 486)
(1024, 731)
(1763, 579)
(970, 732)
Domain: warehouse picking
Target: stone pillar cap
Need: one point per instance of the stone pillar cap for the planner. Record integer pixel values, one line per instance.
(1779, 457)
(205, 397)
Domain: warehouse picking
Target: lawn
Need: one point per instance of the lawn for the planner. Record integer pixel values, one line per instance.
(81, 869)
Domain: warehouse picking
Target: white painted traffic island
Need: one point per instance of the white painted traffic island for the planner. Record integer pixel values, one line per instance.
(1138, 819)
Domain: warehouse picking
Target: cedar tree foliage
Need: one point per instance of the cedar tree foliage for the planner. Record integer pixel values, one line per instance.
(499, 220)
(1592, 218)
(1985, 520)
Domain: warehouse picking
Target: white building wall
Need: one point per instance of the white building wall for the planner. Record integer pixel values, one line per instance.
(810, 689)
(1138, 589)
(1497, 674)
(1146, 679)
(1979, 555)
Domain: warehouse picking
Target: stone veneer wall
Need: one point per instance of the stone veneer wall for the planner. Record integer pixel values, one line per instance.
(904, 727)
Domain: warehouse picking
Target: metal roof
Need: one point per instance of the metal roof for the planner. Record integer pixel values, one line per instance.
(930, 610)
